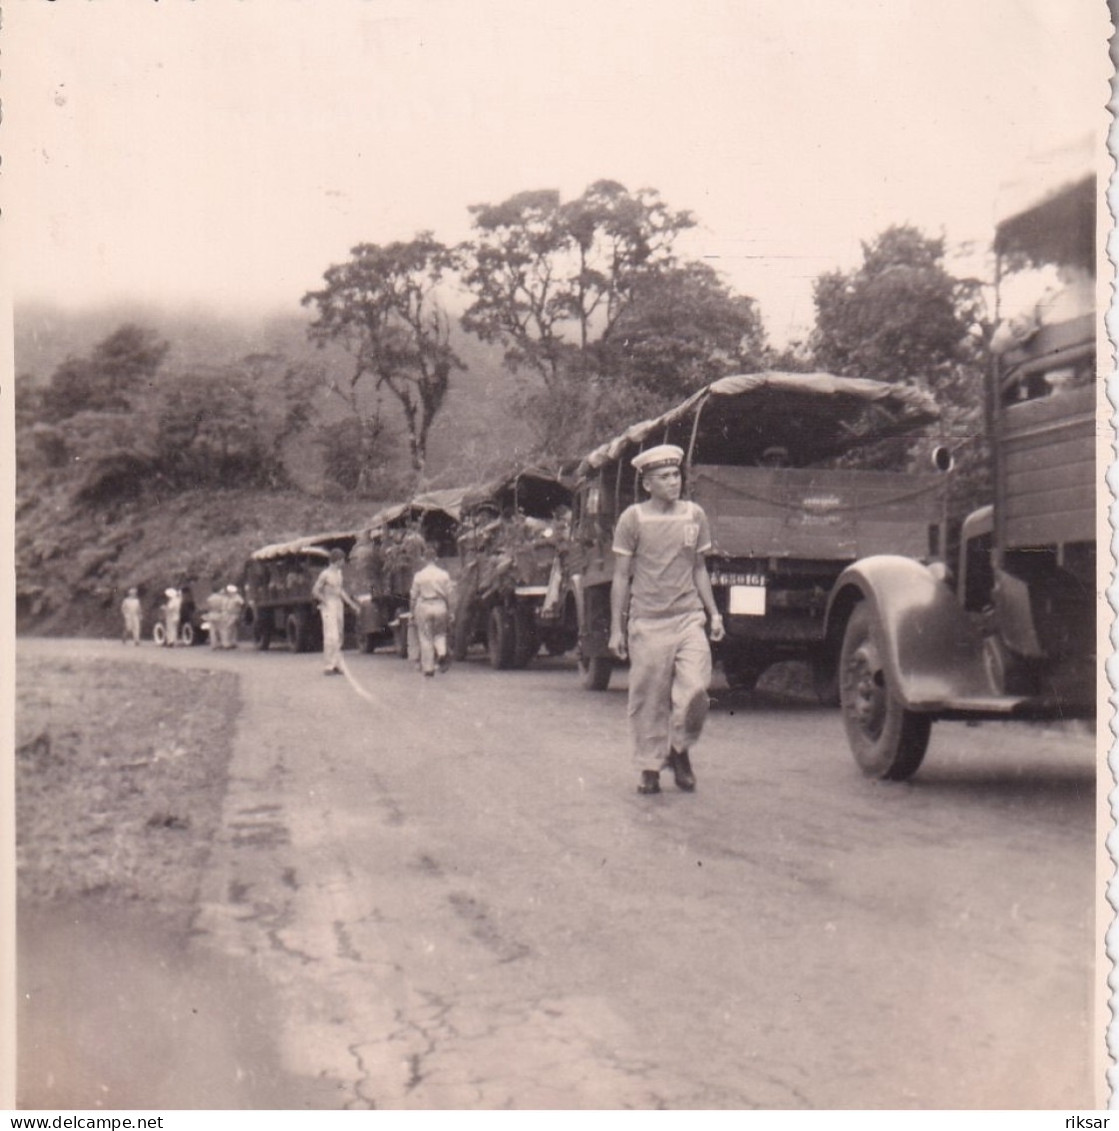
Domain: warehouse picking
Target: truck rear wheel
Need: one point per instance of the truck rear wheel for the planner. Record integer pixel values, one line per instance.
(887, 741)
(500, 639)
(186, 633)
(595, 672)
(262, 632)
(298, 628)
(526, 642)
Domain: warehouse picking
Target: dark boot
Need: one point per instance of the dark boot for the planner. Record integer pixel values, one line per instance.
(681, 766)
(650, 782)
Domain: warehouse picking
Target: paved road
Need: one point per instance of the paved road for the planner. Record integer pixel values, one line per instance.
(457, 900)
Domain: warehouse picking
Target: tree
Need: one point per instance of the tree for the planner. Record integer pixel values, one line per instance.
(902, 316)
(381, 308)
(590, 298)
(105, 380)
(682, 329)
(549, 278)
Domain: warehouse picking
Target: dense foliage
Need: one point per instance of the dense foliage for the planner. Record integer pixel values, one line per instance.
(381, 308)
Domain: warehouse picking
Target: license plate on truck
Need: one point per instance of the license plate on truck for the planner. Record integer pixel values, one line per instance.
(746, 600)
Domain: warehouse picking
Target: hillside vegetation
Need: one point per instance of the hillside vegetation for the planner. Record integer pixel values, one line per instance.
(81, 542)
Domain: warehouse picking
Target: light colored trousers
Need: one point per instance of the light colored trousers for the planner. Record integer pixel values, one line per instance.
(332, 633)
(430, 619)
(132, 627)
(669, 672)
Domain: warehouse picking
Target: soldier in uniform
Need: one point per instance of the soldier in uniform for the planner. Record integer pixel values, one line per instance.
(172, 608)
(215, 614)
(661, 583)
(330, 592)
(231, 615)
(130, 610)
(432, 598)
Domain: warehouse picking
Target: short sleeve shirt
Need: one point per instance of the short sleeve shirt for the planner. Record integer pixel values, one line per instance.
(665, 547)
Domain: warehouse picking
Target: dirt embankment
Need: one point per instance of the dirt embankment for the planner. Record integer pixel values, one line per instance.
(120, 772)
(74, 564)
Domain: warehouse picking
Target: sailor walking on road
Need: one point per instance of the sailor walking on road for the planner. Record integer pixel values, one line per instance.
(329, 592)
(661, 583)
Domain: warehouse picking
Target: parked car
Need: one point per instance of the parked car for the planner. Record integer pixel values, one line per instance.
(1010, 631)
(194, 626)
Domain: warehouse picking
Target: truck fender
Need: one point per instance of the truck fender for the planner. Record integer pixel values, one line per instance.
(931, 652)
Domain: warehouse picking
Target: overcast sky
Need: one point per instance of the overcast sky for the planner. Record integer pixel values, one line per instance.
(226, 152)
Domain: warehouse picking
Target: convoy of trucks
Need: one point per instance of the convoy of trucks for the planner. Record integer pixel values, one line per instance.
(818, 554)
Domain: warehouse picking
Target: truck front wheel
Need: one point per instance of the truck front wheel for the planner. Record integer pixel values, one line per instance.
(500, 640)
(595, 672)
(888, 741)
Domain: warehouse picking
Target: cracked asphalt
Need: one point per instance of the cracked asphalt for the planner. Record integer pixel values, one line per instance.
(451, 897)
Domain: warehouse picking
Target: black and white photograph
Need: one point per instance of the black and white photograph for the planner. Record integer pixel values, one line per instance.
(555, 556)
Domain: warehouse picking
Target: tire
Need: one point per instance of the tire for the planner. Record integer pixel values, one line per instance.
(367, 643)
(742, 677)
(526, 641)
(186, 634)
(825, 681)
(298, 630)
(159, 633)
(888, 741)
(595, 672)
(500, 639)
(262, 633)
(462, 631)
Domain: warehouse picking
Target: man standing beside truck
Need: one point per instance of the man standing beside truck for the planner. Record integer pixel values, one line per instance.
(661, 583)
(329, 592)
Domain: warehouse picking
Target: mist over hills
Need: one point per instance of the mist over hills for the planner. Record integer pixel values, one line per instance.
(475, 432)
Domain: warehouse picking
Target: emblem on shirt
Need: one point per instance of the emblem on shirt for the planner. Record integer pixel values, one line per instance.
(691, 534)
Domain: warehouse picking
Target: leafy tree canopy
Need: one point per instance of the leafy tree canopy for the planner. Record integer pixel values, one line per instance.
(899, 316)
(381, 307)
(105, 380)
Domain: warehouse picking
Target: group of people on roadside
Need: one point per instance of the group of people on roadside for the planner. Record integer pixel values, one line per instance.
(223, 613)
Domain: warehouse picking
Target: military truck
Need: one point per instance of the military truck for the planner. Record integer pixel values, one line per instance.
(769, 456)
(1009, 632)
(398, 537)
(278, 581)
(512, 541)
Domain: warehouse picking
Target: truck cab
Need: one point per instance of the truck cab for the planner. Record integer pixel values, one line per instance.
(1010, 631)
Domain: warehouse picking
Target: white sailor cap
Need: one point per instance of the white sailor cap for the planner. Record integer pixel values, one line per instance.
(663, 455)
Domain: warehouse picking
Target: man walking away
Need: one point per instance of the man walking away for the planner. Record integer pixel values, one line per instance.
(661, 584)
(215, 614)
(172, 607)
(130, 610)
(231, 616)
(431, 602)
(330, 593)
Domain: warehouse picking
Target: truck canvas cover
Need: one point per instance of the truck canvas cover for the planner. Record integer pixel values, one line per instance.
(816, 415)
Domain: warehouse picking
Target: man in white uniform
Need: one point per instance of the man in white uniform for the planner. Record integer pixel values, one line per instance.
(130, 610)
(661, 583)
(329, 591)
(431, 599)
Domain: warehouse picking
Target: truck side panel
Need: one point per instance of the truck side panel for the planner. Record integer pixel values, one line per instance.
(1049, 446)
(831, 515)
